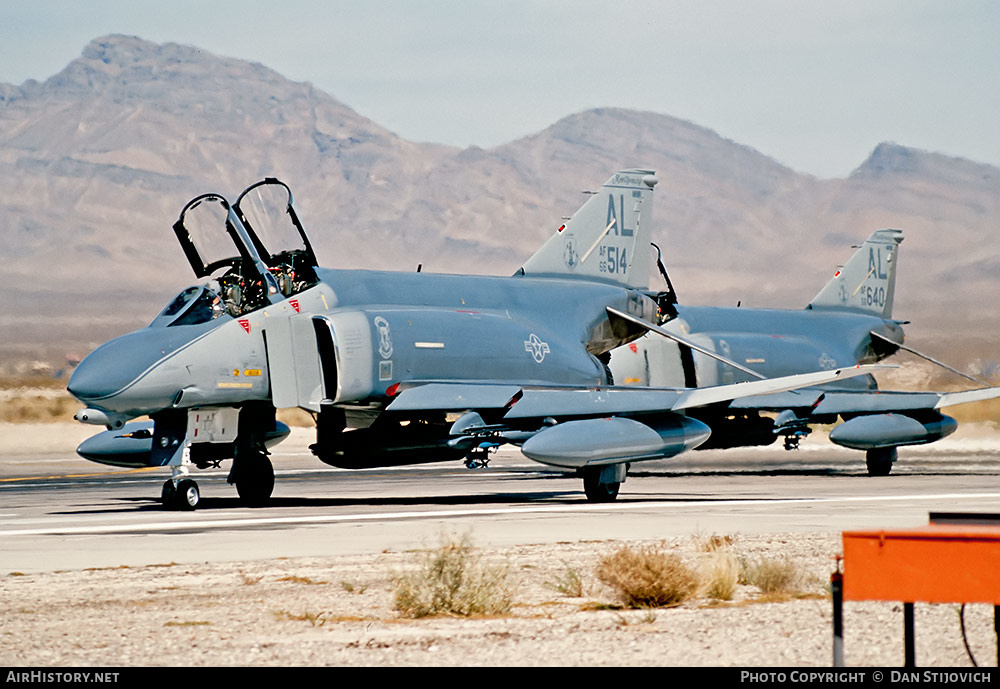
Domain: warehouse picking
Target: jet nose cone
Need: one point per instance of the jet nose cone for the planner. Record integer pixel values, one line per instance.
(139, 373)
(114, 366)
(97, 376)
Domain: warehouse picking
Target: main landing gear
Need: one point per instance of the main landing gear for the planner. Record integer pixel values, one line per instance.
(253, 475)
(601, 483)
(880, 461)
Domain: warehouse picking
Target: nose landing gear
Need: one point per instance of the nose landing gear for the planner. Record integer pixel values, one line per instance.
(180, 495)
(180, 492)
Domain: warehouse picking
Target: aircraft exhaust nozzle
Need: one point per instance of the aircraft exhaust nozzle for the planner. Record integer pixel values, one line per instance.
(874, 431)
(590, 442)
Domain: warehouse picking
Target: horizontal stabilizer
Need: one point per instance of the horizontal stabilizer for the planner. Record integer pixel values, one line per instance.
(699, 397)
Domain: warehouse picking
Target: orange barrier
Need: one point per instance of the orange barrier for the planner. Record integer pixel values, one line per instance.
(954, 559)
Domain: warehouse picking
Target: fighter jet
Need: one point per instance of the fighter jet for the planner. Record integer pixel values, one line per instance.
(848, 322)
(396, 367)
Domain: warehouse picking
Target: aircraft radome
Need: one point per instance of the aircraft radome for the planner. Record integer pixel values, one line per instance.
(396, 367)
(848, 322)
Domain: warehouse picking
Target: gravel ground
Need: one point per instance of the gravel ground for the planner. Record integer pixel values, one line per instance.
(340, 612)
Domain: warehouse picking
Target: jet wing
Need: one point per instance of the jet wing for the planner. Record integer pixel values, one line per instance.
(873, 420)
(699, 397)
(454, 396)
(534, 401)
(862, 402)
(597, 426)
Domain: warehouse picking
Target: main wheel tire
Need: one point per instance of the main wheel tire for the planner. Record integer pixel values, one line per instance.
(188, 495)
(880, 461)
(255, 480)
(597, 491)
(168, 495)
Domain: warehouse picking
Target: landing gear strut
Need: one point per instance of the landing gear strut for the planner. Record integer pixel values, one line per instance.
(880, 461)
(252, 471)
(180, 492)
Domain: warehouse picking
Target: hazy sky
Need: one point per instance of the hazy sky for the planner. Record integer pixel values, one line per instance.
(815, 85)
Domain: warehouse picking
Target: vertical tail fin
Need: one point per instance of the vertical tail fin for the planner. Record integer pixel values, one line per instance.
(867, 282)
(608, 238)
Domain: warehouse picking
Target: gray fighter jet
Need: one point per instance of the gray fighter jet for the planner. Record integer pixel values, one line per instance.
(396, 368)
(848, 322)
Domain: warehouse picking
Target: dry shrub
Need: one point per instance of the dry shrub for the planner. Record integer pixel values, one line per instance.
(33, 382)
(33, 408)
(720, 573)
(714, 542)
(453, 580)
(569, 583)
(647, 577)
(772, 575)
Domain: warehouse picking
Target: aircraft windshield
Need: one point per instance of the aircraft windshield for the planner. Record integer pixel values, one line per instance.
(194, 305)
(180, 301)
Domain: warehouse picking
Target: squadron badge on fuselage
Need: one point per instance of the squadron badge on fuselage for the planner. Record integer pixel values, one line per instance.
(384, 337)
(570, 255)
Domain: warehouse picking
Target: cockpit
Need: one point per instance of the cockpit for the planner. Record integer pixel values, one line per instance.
(194, 305)
(254, 252)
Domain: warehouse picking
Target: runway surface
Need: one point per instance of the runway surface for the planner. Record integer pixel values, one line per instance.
(59, 512)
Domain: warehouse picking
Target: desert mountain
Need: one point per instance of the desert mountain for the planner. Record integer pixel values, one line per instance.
(97, 161)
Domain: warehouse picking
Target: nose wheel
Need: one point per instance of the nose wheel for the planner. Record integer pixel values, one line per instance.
(180, 495)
